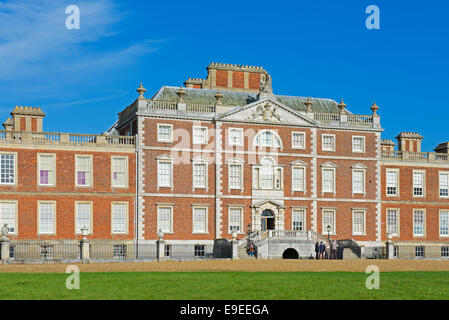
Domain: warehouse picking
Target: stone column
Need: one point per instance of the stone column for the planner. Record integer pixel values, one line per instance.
(235, 250)
(85, 250)
(390, 250)
(160, 250)
(4, 244)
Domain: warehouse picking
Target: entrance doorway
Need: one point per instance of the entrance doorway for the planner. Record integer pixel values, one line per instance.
(290, 253)
(267, 220)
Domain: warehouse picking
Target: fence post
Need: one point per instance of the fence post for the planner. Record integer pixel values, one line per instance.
(390, 247)
(85, 246)
(4, 244)
(235, 249)
(160, 249)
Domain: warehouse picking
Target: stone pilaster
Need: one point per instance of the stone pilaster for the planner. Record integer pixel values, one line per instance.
(314, 214)
(218, 181)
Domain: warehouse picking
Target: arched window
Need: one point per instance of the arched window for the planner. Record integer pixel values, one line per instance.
(267, 139)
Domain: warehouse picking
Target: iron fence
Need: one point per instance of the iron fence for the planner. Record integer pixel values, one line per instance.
(123, 251)
(188, 251)
(420, 251)
(41, 252)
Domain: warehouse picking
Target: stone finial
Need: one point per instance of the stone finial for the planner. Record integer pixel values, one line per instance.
(219, 97)
(4, 230)
(141, 91)
(309, 104)
(181, 93)
(342, 106)
(374, 108)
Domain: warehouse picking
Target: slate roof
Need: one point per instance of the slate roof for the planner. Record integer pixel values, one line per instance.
(206, 96)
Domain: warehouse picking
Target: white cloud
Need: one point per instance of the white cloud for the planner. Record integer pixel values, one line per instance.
(34, 39)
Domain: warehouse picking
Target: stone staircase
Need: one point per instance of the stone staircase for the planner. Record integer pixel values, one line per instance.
(243, 255)
(348, 254)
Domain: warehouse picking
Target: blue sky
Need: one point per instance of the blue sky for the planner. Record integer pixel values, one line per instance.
(83, 78)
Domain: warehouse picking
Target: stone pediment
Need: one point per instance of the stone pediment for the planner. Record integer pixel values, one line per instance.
(267, 111)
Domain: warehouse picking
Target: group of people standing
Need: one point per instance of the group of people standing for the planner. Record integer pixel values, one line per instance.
(329, 250)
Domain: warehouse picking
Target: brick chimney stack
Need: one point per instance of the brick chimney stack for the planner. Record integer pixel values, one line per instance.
(25, 119)
(230, 77)
(409, 141)
(387, 145)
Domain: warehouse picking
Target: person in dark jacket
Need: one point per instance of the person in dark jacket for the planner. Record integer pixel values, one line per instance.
(340, 252)
(322, 250)
(317, 250)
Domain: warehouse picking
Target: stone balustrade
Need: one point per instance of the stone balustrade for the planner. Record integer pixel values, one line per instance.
(24, 137)
(414, 156)
(349, 120)
(173, 105)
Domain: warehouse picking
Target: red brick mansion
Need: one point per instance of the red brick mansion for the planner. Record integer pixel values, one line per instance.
(224, 157)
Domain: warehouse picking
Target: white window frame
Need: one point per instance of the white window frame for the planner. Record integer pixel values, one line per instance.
(195, 137)
(78, 227)
(206, 220)
(363, 183)
(165, 206)
(332, 167)
(354, 212)
(363, 144)
(16, 217)
(328, 136)
(51, 183)
(257, 142)
(77, 156)
(440, 173)
(423, 172)
(126, 217)
(323, 226)
(397, 171)
(241, 209)
(303, 182)
(39, 203)
(15, 168)
(303, 134)
(277, 172)
(240, 135)
(205, 163)
(159, 138)
(398, 219)
(164, 159)
(302, 212)
(423, 234)
(126, 185)
(439, 223)
(235, 162)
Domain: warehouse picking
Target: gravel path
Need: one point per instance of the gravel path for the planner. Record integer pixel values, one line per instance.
(244, 265)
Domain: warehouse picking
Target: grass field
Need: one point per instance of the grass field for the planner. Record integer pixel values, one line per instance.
(226, 285)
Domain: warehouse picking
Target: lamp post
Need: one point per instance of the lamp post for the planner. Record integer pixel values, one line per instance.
(328, 232)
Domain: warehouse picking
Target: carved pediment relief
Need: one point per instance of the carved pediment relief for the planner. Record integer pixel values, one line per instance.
(267, 111)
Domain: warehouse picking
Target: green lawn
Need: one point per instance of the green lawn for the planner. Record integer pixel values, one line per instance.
(226, 285)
